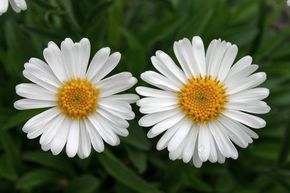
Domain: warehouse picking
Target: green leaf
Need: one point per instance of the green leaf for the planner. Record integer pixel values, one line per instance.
(83, 184)
(138, 158)
(18, 119)
(48, 160)
(36, 178)
(125, 175)
(137, 137)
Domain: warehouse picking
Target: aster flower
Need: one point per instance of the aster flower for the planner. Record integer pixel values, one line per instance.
(17, 5)
(206, 106)
(84, 109)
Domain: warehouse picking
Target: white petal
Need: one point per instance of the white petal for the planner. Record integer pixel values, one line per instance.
(247, 119)
(236, 77)
(186, 51)
(213, 157)
(33, 91)
(159, 81)
(190, 144)
(203, 143)
(166, 137)
(247, 83)
(241, 64)
(51, 129)
(180, 135)
(84, 56)
(24, 104)
(53, 57)
(166, 124)
(224, 144)
(115, 105)
(151, 92)
(179, 55)
(3, 6)
(113, 119)
(199, 54)
(73, 139)
(237, 135)
(60, 138)
(96, 139)
(156, 102)
(42, 71)
(168, 66)
(153, 109)
(227, 62)
(118, 87)
(250, 94)
(217, 57)
(85, 143)
(257, 107)
(129, 98)
(68, 56)
(110, 64)
(38, 81)
(98, 62)
(152, 119)
(106, 134)
(38, 119)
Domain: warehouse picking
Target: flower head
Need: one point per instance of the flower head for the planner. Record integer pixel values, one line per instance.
(206, 106)
(17, 5)
(85, 108)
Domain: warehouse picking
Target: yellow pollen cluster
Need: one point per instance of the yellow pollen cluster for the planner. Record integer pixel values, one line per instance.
(202, 99)
(78, 98)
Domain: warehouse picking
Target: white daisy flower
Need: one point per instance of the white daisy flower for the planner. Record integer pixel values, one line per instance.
(17, 5)
(85, 109)
(205, 107)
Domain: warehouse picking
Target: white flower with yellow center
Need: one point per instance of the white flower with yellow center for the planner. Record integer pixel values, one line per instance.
(205, 107)
(85, 109)
(17, 5)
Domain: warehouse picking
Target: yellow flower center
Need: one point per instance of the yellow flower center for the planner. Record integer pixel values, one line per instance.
(202, 99)
(78, 98)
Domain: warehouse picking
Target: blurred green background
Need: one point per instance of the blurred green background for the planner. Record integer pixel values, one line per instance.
(137, 28)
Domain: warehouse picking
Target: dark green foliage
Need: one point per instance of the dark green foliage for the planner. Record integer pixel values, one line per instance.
(137, 28)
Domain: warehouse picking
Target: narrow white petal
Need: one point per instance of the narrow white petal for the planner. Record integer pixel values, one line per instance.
(159, 81)
(60, 138)
(199, 54)
(3, 6)
(166, 124)
(247, 83)
(250, 94)
(247, 119)
(190, 145)
(33, 91)
(110, 64)
(179, 55)
(227, 62)
(24, 104)
(169, 65)
(241, 64)
(237, 134)
(117, 88)
(180, 135)
(156, 102)
(51, 129)
(85, 142)
(52, 55)
(98, 62)
(84, 56)
(128, 98)
(166, 137)
(73, 139)
(203, 143)
(153, 109)
(256, 107)
(154, 118)
(38, 119)
(96, 139)
(236, 77)
(151, 92)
